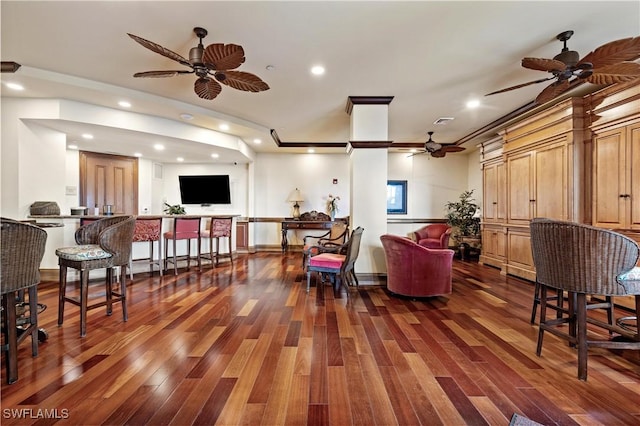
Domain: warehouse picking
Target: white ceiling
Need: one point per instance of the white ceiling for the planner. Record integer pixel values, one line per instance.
(432, 57)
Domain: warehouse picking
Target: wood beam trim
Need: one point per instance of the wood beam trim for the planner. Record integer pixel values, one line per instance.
(366, 100)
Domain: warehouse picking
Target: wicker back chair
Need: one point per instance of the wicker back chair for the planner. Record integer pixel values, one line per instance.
(22, 249)
(583, 260)
(104, 244)
(335, 237)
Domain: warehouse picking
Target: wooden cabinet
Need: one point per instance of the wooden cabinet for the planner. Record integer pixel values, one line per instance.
(494, 192)
(493, 245)
(616, 177)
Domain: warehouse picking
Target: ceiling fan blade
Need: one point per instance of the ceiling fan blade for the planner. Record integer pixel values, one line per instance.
(156, 74)
(616, 73)
(439, 153)
(521, 85)
(207, 88)
(222, 57)
(160, 50)
(541, 64)
(626, 49)
(453, 148)
(551, 91)
(242, 81)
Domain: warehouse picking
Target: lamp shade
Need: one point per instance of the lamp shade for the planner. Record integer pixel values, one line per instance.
(296, 196)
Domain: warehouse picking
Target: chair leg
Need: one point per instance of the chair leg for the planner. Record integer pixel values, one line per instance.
(536, 302)
(308, 280)
(84, 299)
(175, 262)
(581, 319)
(62, 291)
(109, 290)
(33, 318)
(230, 250)
(198, 252)
(123, 296)
(543, 318)
(11, 335)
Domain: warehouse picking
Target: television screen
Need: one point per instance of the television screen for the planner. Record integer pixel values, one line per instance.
(205, 189)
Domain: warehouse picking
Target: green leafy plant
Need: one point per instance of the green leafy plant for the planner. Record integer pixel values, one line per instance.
(460, 215)
(175, 209)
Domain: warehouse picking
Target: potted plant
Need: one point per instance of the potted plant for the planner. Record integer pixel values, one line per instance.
(461, 216)
(175, 209)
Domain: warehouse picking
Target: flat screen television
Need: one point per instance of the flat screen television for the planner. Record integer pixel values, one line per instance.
(205, 189)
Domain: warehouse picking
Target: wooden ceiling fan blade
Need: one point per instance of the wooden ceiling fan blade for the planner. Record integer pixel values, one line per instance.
(207, 88)
(616, 73)
(453, 148)
(541, 64)
(551, 91)
(242, 81)
(222, 57)
(159, 74)
(439, 153)
(541, 80)
(160, 50)
(626, 49)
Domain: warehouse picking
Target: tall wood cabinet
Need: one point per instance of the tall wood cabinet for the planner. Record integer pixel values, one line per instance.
(494, 206)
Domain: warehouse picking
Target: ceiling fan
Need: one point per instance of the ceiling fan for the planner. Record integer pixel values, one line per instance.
(211, 65)
(436, 149)
(608, 64)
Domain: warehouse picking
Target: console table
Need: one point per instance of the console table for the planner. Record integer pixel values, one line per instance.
(302, 224)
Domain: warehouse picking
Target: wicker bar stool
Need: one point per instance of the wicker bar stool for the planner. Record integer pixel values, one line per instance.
(103, 244)
(22, 250)
(219, 227)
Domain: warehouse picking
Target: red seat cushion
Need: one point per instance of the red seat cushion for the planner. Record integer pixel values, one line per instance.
(327, 260)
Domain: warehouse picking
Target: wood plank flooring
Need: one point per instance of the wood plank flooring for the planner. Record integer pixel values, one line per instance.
(245, 344)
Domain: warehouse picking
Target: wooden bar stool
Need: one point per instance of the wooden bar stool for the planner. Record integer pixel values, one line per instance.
(219, 227)
(148, 229)
(184, 228)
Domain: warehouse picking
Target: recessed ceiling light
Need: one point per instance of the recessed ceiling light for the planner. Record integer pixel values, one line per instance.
(72, 146)
(158, 147)
(317, 70)
(186, 116)
(224, 127)
(137, 154)
(214, 155)
(257, 141)
(124, 104)
(87, 136)
(474, 103)
(180, 159)
(15, 86)
(311, 150)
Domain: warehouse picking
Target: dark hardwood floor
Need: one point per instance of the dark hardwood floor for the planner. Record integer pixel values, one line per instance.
(247, 345)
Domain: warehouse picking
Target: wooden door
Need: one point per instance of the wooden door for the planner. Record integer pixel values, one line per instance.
(609, 185)
(109, 179)
(490, 191)
(551, 190)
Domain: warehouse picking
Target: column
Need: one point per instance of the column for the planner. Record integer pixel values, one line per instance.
(368, 145)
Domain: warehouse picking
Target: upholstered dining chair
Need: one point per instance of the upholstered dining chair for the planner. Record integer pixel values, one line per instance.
(184, 228)
(334, 238)
(22, 249)
(435, 236)
(219, 227)
(148, 229)
(414, 270)
(338, 265)
(584, 261)
(103, 244)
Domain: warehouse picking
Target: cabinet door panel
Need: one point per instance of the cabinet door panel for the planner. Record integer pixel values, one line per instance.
(609, 182)
(501, 192)
(551, 183)
(633, 184)
(519, 192)
(490, 193)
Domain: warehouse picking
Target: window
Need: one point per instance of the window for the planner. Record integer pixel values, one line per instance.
(396, 197)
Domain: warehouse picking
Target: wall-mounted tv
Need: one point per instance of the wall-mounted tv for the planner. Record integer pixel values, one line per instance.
(205, 189)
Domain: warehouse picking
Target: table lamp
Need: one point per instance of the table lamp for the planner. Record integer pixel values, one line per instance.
(296, 198)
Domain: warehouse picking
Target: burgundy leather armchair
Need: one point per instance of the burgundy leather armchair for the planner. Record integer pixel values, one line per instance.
(433, 236)
(414, 270)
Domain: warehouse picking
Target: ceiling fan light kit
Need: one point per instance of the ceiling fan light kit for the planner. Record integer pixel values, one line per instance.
(608, 64)
(438, 150)
(211, 65)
